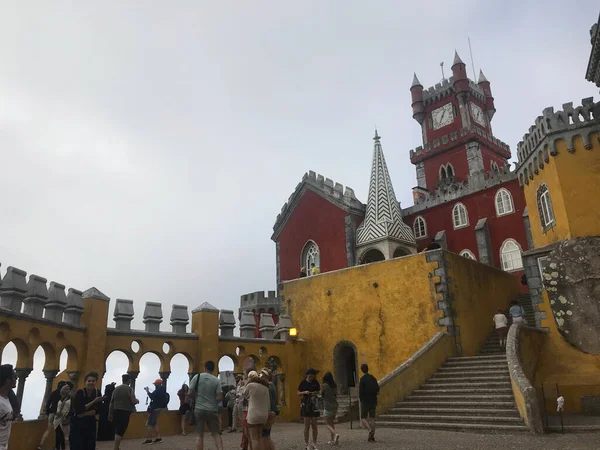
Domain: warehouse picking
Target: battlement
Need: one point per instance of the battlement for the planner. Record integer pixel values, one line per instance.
(456, 190)
(569, 122)
(422, 152)
(445, 88)
(259, 298)
(35, 299)
(342, 196)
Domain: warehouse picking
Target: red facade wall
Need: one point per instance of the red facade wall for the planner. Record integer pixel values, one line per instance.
(457, 157)
(317, 219)
(479, 205)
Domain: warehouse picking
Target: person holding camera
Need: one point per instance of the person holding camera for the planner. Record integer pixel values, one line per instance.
(159, 400)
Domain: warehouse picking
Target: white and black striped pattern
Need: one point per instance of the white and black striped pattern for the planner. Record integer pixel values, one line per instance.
(383, 218)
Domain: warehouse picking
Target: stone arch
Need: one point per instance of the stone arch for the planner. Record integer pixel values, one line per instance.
(191, 365)
(164, 364)
(372, 255)
(345, 366)
(250, 361)
(50, 359)
(400, 251)
(273, 363)
(310, 254)
(72, 358)
(4, 332)
(116, 364)
(24, 356)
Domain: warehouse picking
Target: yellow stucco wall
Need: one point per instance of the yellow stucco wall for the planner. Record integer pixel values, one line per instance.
(477, 291)
(573, 179)
(387, 323)
(576, 373)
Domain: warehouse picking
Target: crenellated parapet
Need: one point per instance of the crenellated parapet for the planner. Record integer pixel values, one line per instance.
(445, 89)
(33, 298)
(336, 193)
(458, 137)
(454, 190)
(551, 127)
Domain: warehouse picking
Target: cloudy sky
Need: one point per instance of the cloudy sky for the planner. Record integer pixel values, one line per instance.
(146, 150)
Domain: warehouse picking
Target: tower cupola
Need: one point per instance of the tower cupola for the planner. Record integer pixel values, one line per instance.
(418, 107)
(490, 109)
(459, 73)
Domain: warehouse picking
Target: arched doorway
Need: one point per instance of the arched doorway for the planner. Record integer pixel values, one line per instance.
(344, 366)
(400, 252)
(372, 256)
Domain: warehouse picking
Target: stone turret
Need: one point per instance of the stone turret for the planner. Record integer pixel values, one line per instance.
(123, 314)
(74, 309)
(490, 109)
(266, 326)
(180, 318)
(153, 316)
(57, 302)
(13, 289)
(459, 75)
(283, 326)
(226, 322)
(247, 325)
(418, 107)
(37, 296)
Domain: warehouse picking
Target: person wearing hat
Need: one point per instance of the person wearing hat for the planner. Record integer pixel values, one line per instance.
(257, 393)
(159, 400)
(308, 389)
(8, 380)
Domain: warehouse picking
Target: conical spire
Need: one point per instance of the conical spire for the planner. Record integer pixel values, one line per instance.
(383, 219)
(482, 77)
(457, 59)
(416, 82)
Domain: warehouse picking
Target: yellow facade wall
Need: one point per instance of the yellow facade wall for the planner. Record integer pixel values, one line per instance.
(386, 324)
(573, 180)
(477, 291)
(576, 373)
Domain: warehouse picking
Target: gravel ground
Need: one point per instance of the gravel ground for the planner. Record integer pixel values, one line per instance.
(288, 436)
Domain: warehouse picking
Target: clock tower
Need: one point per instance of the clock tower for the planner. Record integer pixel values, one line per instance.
(455, 117)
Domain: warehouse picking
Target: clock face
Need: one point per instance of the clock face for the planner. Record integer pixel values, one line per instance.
(477, 114)
(442, 116)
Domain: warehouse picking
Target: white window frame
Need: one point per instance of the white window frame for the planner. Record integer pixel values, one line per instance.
(309, 252)
(506, 203)
(509, 262)
(547, 218)
(420, 219)
(466, 253)
(460, 224)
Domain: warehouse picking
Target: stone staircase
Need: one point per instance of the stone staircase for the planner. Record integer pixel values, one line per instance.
(525, 302)
(344, 409)
(465, 394)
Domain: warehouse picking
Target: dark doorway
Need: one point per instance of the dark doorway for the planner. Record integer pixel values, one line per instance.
(344, 363)
(400, 252)
(372, 256)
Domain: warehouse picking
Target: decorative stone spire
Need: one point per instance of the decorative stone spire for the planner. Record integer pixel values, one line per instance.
(416, 82)
(383, 219)
(457, 59)
(482, 78)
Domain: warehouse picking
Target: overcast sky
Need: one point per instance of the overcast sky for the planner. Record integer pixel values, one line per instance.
(147, 150)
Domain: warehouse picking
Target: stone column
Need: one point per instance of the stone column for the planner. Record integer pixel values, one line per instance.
(153, 316)
(226, 322)
(180, 318)
(164, 376)
(73, 378)
(133, 374)
(13, 289)
(247, 325)
(37, 296)
(22, 375)
(266, 326)
(50, 375)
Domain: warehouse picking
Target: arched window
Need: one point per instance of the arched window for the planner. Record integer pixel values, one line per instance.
(545, 211)
(504, 203)
(420, 228)
(450, 170)
(460, 217)
(443, 173)
(495, 167)
(466, 253)
(310, 256)
(510, 255)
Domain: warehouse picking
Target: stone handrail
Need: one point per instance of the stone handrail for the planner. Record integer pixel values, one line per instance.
(524, 392)
(413, 372)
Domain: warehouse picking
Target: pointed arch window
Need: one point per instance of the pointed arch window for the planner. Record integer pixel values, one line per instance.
(504, 203)
(466, 253)
(460, 216)
(446, 171)
(450, 170)
(494, 167)
(510, 255)
(545, 210)
(310, 256)
(420, 228)
(443, 174)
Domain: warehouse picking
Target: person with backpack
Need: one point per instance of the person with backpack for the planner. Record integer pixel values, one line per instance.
(122, 404)
(368, 390)
(84, 409)
(207, 392)
(159, 400)
(517, 313)
(308, 389)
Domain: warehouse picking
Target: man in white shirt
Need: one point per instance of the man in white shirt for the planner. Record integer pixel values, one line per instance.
(501, 324)
(8, 380)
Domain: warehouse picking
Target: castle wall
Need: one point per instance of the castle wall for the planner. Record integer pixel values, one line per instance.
(457, 157)
(314, 218)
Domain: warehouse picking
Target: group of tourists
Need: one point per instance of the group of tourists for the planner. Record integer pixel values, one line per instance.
(517, 315)
(317, 397)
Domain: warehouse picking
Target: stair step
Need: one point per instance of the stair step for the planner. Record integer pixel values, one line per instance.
(452, 403)
(466, 385)
(474, 369)
(476, 358)
(475, 365)
(480, 363)
(457, 391)
(471, 397)
(450, 377)
(454, 426)
(403, 409)
(448, 418)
